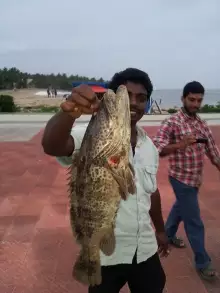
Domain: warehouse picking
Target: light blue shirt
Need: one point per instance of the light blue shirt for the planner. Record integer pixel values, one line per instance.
(133, 228)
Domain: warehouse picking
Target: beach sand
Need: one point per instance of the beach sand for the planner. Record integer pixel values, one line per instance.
(29, 98)
(38, 97)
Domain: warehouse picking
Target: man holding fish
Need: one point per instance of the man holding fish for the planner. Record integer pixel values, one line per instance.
(135, 259)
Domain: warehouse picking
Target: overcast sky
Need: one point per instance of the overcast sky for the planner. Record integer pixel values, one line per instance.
(174, 41)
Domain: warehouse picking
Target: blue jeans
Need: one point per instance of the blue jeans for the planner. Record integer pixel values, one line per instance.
(186, 209)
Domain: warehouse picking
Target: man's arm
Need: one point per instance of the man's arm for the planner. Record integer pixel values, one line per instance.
(57, 140)
(157, 219)
(162, 139)
(212, 150)
(156, 212)
(165, 135)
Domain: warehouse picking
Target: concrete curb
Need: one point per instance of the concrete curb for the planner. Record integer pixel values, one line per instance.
(43, 118)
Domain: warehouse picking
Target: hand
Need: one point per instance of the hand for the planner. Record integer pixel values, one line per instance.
(163, 244)
(186, 141)
(82, 101)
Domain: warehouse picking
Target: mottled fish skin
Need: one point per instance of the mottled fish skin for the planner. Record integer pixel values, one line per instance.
(100, 176)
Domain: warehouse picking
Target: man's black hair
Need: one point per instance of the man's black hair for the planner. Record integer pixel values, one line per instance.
(193, 87)
(133, 75)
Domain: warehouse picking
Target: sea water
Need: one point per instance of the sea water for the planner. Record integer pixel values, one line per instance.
(172, 98)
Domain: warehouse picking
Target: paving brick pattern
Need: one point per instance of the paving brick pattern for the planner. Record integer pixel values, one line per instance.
(37, 250)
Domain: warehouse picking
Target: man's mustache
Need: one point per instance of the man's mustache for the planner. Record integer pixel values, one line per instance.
(132, 109)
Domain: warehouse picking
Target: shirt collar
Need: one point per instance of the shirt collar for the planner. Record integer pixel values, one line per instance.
(187, 117)
(141, 135)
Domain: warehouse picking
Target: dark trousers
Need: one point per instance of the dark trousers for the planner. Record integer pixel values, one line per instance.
(145, 277)
(186, 209)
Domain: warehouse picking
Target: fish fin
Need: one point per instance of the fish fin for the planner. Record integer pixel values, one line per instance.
(119, 177)
(87, 268)
(125, 180)
(108, 242)
(73, 217)
(72, 173)
(130, 178)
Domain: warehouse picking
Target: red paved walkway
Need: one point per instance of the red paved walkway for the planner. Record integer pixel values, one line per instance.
(36, 246)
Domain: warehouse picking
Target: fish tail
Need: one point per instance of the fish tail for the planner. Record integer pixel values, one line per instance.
(129, 177)
(87, 268)
(108, 242)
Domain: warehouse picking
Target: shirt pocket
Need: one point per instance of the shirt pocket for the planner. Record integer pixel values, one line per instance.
(181, 130)
(196, 150)
(147, 178)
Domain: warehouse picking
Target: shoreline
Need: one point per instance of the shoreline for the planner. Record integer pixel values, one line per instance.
(38, 96)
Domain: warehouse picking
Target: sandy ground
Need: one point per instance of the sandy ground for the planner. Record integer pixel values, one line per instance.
(28, 98)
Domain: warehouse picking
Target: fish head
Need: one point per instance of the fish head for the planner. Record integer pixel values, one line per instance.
(108, 133)
(117, 113)
(117, 106)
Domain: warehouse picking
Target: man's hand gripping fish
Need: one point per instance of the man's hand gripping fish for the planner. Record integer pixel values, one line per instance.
(100, 176)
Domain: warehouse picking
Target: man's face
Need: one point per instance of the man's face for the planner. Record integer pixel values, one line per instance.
(192, 103)
(138, 100)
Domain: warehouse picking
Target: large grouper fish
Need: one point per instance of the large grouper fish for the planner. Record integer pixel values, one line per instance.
(100, 176)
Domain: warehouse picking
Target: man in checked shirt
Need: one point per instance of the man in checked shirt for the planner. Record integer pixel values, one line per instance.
(176, 138)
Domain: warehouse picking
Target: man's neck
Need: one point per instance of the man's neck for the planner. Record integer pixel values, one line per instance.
(133, 138)
(191, 115)
(133, 130)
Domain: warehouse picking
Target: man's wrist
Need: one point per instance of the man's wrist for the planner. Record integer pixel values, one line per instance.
(158, 223)
(69, 109)
(160, 230)
(160, 227)
(180, 146)
(72, 115)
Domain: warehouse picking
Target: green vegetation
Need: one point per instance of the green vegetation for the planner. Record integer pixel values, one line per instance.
(172, 110)
(7, 104)
(40, 109)
(211, 108)
(205, 109)
(13, 77)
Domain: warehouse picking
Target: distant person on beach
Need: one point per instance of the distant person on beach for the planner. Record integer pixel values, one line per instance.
(136, 257)
(177, 138)
(48, 93)
(55, 93)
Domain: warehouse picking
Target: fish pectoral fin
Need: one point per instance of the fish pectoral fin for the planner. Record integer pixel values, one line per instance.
(108, 242)
(125, 180)
(119, 177)
(130, 178)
